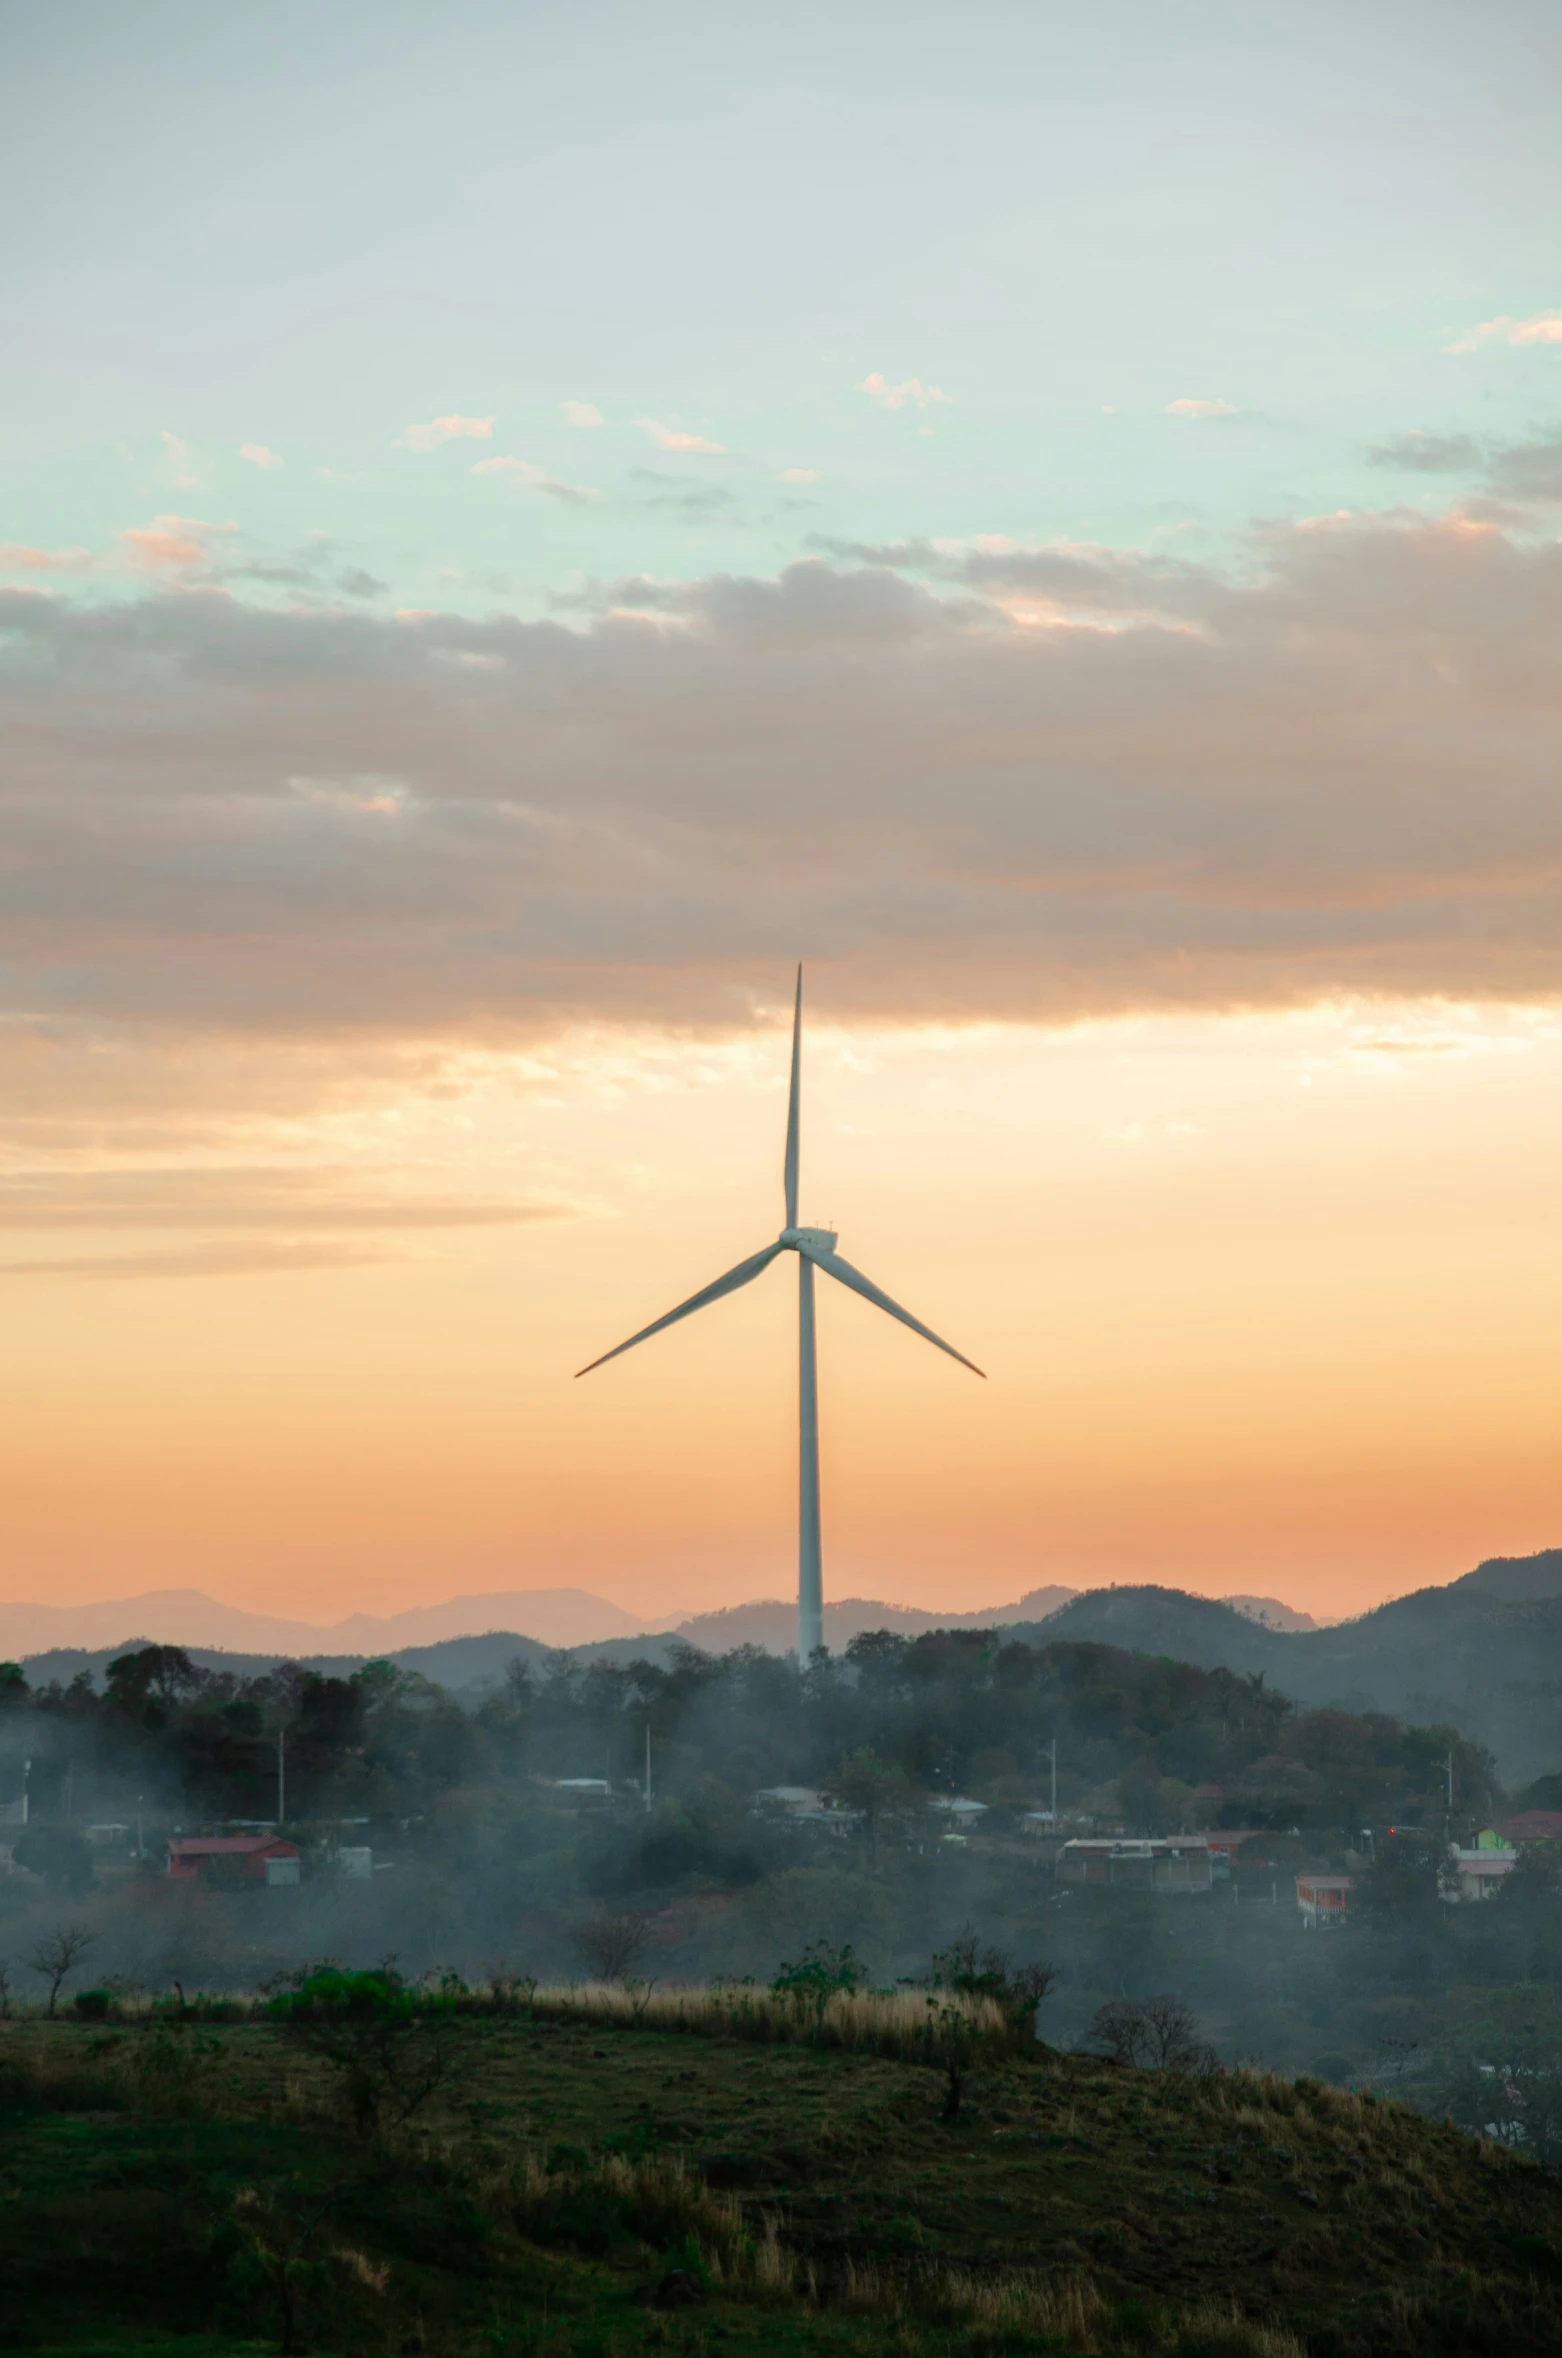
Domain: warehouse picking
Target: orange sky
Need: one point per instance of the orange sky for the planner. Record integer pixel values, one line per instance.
(1267, 1303)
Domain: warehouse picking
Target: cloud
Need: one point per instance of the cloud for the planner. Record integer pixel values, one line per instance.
(673, 438)
(582, 413)
(258, 455)
(16, 557)
(174, 543)
(178, 454)
(677, 493)
(220, 1198)
(799, 475)
(912, 394)
(1544, 328)
(1427, 454)
(527, 477)
(1202, 409)
(215, 1260)
(442, 430)
(1042, 783)
(1528, 470)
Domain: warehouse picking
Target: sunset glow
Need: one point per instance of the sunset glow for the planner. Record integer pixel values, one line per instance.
(1083, 583)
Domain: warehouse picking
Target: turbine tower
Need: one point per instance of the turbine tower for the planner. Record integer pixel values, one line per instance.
(815, 1249)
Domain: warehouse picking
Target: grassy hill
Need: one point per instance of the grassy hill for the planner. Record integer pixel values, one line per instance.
(576, 2187)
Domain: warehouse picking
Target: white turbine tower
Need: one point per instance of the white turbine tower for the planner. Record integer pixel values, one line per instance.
(815, 1249)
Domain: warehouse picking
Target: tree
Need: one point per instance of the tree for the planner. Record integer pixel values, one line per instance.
(820, 1974)
(391, 2044)
(612, 1944)
(61, 1859)
(55, 1956)
(874, 1788)
(1155, 2034)
(1405, 1880)
(976, 1969)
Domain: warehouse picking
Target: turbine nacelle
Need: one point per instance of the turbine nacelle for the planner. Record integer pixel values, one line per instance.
(817, 1240)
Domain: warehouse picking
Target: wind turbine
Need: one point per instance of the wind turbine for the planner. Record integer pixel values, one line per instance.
(815, 1249)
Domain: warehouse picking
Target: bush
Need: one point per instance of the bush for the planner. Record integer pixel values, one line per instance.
(391, 2043)
(93, 2005)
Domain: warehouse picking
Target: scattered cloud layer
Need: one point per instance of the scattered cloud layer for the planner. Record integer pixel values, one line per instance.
(258, 455)
(441, 430)
(960, 779)
(911, 394)
(1544, 327)
(1198, 410)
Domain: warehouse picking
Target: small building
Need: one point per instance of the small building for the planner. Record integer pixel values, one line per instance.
(1478, 1874)
(1324, 1899)
(190, 1856)
(1177, 1862)
(964, 1813)
(1531, 1826)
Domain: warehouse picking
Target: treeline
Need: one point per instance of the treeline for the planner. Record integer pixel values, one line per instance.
(889, 1724)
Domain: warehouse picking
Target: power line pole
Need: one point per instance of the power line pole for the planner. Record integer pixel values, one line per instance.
(281, 1778)
(648, 1761)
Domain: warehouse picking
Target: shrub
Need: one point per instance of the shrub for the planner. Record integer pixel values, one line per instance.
(93, 2005)
(391, 2044)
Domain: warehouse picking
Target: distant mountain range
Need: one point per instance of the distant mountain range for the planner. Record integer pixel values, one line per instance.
(552, 1616)
(1483, 1653)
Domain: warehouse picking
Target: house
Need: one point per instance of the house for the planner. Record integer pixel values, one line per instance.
(1530, 1826)
(1178, 1862)
(964, 1813)
(252, 1855)
(1324, 1899)
(1478, 1874)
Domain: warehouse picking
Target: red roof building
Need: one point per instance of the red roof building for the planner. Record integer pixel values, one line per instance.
(1531, 1825)
(189, 1856)
(1324, 1899)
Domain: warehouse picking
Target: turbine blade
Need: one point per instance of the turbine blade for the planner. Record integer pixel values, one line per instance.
(848, 1276)
(744, 1274)
(793, 1109)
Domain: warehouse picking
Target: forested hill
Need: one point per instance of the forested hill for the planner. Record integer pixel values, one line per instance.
(1484, 1653)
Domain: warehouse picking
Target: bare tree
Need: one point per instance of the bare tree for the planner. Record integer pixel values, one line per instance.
(5, 1988)
(1157, 2034)
(55, 1956)
(613, 1944)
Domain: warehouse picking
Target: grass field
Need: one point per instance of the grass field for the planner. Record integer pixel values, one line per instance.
(196, 2190)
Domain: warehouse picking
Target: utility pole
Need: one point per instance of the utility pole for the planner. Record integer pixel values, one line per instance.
(648, 1760)
(140, 1837)
(281, 1778)
(70, 1792)
(1054, 1756)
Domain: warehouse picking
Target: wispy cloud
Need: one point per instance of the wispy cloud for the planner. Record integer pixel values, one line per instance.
(16, 557)
(441, 430)
(911, 394)
(1427, 454)
(1198, 410)
(212, 1260)
(800, 475)
(258, 455)
(1545, 327)
(582, 413)
(259, 1197)
(183, 465)
(174, 543)
(527, 477)
(674, 438)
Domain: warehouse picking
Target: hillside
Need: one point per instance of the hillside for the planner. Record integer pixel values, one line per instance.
(1483, 1654)
(573, 2187)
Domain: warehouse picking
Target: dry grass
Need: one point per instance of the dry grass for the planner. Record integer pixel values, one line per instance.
(906, 2025)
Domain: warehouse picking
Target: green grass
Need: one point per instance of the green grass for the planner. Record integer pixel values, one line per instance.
(153, 2182)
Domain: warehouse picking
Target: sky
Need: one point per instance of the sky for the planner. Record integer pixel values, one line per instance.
(519, 524)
